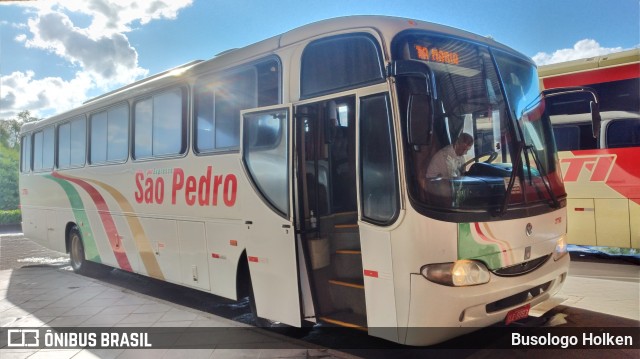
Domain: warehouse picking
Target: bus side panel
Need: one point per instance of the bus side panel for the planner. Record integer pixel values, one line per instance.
(377, 264)
(581, 223)
(634, 219)
(416, 242)
(35, 225)
(225, 244)
(602, 186)
(44, 211)
(163, 235)
(125, 240)
(612, 222)
(29, 223)
(194, 267)
(57, 226)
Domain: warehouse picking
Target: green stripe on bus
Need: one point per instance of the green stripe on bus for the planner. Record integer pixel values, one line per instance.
(469, 248)
(90, 247)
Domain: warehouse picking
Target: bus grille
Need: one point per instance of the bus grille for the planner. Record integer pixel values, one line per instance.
(517, 299)
(521, 268)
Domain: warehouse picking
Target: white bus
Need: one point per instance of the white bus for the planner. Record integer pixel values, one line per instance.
(293, 171)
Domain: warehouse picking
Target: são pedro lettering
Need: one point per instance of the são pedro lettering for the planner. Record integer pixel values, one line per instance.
(205, 190)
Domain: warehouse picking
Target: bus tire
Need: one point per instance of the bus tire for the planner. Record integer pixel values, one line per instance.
(76, 251)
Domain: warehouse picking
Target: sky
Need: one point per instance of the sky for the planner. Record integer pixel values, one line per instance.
(55, 54)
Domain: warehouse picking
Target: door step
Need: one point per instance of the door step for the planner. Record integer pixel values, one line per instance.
(348, 251)
(346, 226)
(347, 264)
(347, 295)
(346, 319)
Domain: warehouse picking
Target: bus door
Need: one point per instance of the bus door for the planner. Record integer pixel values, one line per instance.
(270, 237)
(326, 209)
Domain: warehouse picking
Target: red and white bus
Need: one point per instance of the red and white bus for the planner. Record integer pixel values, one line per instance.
(293, 171)
(602, 175)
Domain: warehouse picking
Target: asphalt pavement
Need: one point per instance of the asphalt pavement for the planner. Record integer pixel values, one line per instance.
(39, 290)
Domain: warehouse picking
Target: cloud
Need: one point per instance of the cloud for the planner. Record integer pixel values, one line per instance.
(582, 49)
(42, 97)
(110, 59)
(101, 51)
(119, 15)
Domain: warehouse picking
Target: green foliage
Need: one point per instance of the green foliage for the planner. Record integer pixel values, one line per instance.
(10, 217)
(10, 129)
(10, 133)
(9, 160)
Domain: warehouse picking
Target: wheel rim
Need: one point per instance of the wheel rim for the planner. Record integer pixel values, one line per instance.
(77, 252)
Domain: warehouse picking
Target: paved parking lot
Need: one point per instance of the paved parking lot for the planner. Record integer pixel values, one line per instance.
(39, 290)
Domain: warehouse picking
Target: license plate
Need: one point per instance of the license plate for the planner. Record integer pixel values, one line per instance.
(517, 314)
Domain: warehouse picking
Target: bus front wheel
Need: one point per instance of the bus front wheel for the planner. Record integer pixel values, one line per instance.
(76, 251)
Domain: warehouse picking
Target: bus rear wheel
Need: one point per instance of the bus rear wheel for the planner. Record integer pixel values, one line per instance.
(76, 251)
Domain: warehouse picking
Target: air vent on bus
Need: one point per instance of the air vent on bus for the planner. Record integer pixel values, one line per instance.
(521, 268)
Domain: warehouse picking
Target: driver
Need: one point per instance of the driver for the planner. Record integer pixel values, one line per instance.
(449, 160)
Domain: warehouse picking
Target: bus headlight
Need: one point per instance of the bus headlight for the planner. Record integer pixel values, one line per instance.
(561, 248)
(457, 274)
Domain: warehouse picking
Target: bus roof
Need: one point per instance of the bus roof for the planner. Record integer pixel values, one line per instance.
(385, 25)
(591, 63)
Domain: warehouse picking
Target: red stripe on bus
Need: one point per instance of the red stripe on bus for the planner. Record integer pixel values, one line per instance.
(495, 241)
(106, 218)
(617, 73)
(579, 209)
(253, 259)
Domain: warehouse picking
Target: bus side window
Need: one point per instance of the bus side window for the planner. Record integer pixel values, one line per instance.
(573, 137)
(160, 124)
(567, 137)
(219, 100)
(340, 62)
(380, 202)
(623, 133)
(43, 150)
(72, 138)
(109, 135)
(25, 164)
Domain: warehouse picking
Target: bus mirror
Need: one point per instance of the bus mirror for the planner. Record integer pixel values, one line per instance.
(570, 100)
(595, 118)
(420, 115)
(420, 119)
(411, 68)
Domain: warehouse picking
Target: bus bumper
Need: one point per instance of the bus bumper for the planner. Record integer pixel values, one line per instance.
(438, 313)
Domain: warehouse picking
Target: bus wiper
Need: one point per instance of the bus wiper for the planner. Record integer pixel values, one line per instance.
(526, 147)
(543, 174)
(512, 180)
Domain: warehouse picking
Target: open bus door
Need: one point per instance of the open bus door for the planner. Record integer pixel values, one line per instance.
(270, 238)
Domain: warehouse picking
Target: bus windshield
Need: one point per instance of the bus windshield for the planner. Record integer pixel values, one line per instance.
(481, 130)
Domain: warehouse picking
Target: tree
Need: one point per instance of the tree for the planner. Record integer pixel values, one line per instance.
(9, 133)
(10, 159)
(10, 129)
